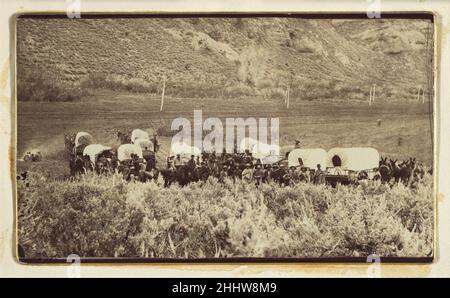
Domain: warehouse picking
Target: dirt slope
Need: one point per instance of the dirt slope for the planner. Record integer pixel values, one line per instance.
(257, 52)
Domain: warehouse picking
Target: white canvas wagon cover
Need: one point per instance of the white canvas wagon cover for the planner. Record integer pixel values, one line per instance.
(139, 134)
(83, 138)
(124, 151)
(355, 159)
(183, 149)
(95, 149)
(259, 149)
(310, 157)
(145, 143)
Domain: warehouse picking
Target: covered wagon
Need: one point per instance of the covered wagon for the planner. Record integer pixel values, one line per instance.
(144, 144)
(82, 139)
(99, 157)
(137, 134)
(129, 167)
(125, 152)
(345, 164)
(148, 152)
(308, 158)
(94, 150)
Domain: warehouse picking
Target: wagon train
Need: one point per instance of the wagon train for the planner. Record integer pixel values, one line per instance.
(252, 161)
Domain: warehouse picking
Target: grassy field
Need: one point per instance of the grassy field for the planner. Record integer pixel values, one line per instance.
(404, 132)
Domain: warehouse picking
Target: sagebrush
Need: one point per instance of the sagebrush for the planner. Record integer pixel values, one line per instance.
(96, 216)
(39, 85)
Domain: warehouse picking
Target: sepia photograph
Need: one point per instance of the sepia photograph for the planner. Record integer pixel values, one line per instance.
(225, 137)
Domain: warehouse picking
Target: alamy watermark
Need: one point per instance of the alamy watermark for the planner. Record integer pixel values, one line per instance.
(73, 9)
(374, 9)
(229, 137)
(73, 270)
(374, 269)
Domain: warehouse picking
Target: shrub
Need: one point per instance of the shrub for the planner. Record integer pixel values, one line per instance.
(117, 82)
(104, 217)
(39, 85)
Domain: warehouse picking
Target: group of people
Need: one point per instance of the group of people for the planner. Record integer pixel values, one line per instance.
(238, 166)
(283, 175)
(139, 169)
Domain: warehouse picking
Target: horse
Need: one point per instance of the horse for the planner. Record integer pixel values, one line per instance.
(151, 174)
(384, 170)
(76, 165)
(184, 174)
(169, 176)
(417, 171)
(202, 173)
(404, 171)
(279, 175)
(395, 170)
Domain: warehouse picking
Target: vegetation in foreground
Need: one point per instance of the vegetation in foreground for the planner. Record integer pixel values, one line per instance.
(96, 216)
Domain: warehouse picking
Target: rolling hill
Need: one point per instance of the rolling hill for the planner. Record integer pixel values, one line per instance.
(318, 58)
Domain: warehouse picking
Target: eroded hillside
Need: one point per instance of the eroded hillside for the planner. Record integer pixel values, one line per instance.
(334, 59)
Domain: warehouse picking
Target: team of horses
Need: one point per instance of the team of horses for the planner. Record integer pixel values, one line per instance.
(406, 171)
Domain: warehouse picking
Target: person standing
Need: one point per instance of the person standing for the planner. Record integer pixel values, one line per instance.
(247, 173)
(191, 162)
(319, 176)
(294, 177)
(149, 157)
(191, 168)
(155, 143)
(223, 174)
(178, 162)
(258, 174)
(267, 177)
(304, 174)
(169, 162)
